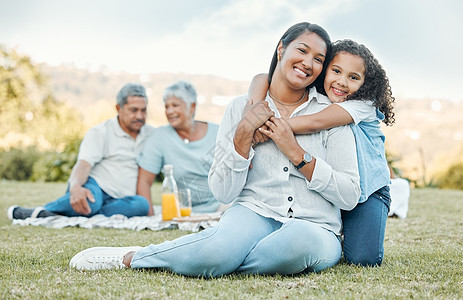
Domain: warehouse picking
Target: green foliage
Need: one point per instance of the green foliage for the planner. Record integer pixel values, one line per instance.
(57, 123)
(17, 164)
(56, 166)
(29, 113)
(19, 78)
(452, 178)
(30, 164)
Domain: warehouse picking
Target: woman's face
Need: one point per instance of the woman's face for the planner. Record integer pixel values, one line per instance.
(344, 76)
(178, 113)
(302, 60)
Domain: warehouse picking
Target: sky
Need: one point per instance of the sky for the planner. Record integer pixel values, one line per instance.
(418, 42)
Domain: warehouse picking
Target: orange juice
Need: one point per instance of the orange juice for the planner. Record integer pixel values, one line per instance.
(185, 211)
(170, 207)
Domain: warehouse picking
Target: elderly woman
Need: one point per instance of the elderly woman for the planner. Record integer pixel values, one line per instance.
(186, 144)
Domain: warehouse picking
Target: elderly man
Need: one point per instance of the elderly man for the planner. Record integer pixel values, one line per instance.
(104, 179)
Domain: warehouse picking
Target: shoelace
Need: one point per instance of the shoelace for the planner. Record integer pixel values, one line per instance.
(109, 261)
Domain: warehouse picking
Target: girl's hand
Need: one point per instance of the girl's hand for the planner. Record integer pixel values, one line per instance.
(256, 113)
(254, 116)
(259, 137)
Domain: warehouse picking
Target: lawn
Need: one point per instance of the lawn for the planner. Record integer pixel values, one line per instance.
(423, 259)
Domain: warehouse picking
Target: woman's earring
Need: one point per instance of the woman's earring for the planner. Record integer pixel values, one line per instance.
(279, 56)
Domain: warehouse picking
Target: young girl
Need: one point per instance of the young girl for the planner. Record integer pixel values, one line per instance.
(354, 73)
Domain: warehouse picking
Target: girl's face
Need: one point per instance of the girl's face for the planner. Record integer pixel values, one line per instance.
(302, 60)
(344, 76)
(178, 113)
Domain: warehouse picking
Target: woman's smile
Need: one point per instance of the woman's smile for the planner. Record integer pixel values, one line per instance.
(177, 112)
(304, 74)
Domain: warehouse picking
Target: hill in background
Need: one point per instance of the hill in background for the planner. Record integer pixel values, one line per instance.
(93, 94)
(427, 136)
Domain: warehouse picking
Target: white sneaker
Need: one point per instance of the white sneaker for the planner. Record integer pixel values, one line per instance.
(101, 258)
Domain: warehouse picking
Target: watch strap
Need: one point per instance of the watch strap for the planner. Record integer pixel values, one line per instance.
(303, 163)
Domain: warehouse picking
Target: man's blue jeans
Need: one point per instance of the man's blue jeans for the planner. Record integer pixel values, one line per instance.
(248, 243)
(364, 228)
(104, 204)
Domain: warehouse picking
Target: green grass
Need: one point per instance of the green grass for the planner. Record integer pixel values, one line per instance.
(423, 259)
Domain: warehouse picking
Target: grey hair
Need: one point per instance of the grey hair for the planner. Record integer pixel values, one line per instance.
(182, 90)
(129, 90)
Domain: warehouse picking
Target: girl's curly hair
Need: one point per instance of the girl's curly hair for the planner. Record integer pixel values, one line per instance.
(376, 85)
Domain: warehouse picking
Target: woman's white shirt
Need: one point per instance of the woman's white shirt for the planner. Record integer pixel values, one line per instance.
(273, 185)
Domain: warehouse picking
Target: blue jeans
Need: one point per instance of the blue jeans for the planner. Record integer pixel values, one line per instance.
(364, 228)
(248, 243)
(104, 204)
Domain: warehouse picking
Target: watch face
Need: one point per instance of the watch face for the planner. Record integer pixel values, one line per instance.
(307, 157)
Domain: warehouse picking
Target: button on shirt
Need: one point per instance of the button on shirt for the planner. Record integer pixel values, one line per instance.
(112, 154)
(267, 188)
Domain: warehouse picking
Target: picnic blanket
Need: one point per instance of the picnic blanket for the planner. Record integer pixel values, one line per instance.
(194, 223)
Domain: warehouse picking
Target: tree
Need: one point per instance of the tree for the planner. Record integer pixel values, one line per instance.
(18, 77)
(29, 114)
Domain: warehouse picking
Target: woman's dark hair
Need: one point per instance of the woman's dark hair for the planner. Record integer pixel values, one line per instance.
(376, 85)
(293, 33)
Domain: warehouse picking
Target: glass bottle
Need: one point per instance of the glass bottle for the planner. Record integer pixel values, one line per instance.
(170, 205)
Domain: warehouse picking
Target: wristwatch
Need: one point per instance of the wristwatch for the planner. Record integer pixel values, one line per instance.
(305, 160)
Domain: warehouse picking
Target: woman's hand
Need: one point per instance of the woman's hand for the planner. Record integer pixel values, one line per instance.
(282, 134)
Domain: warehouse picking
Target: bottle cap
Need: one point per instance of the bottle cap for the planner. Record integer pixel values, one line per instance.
(167, 168)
